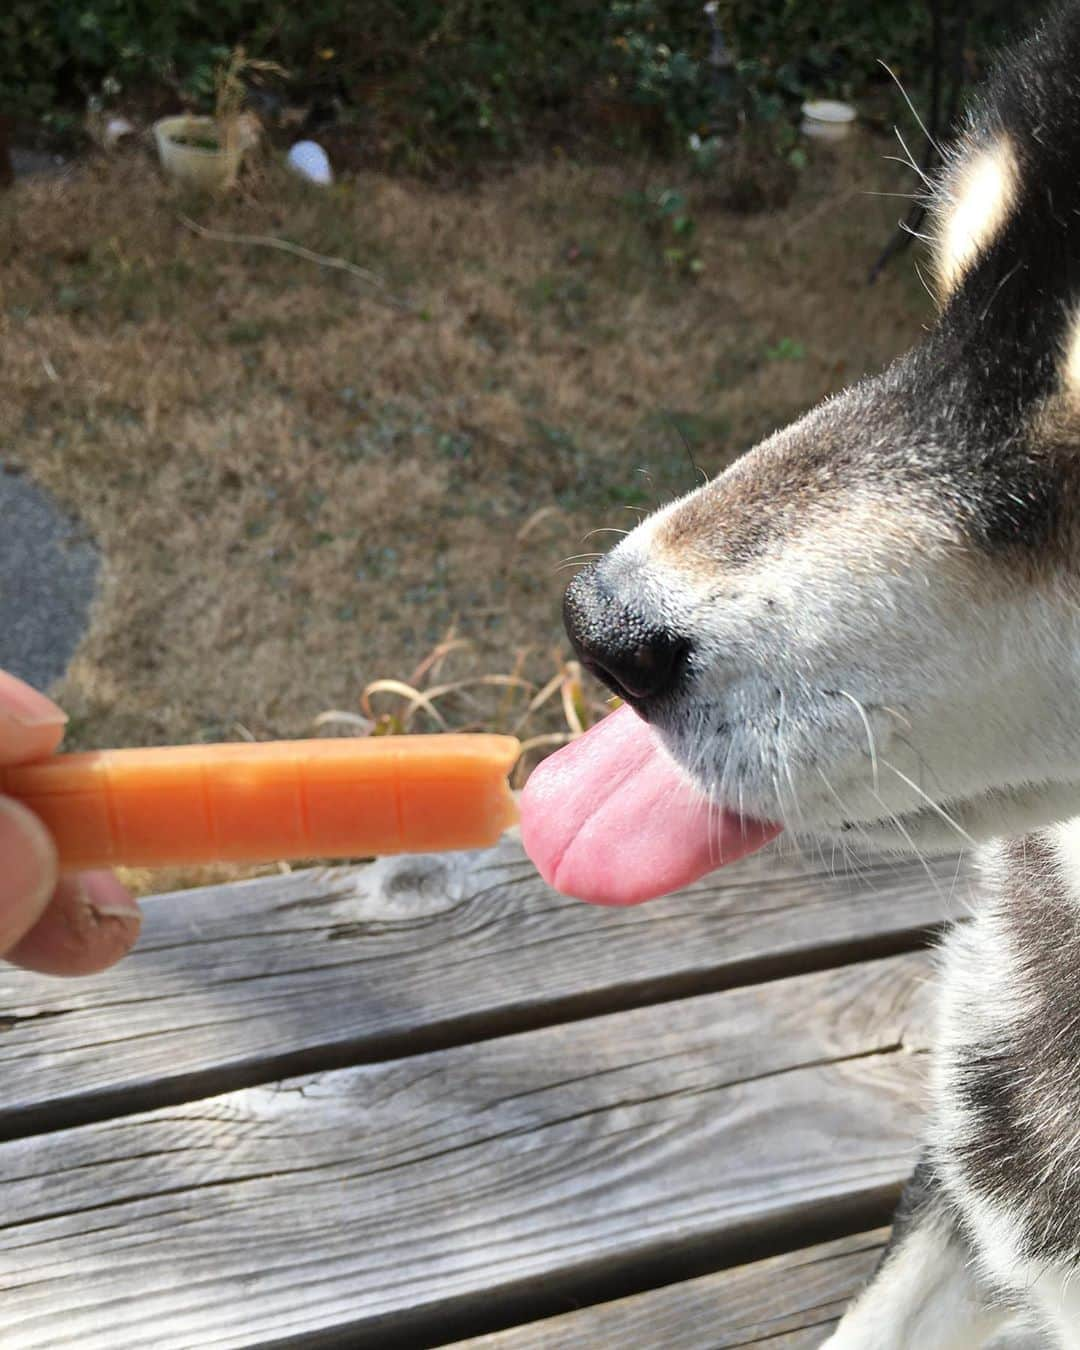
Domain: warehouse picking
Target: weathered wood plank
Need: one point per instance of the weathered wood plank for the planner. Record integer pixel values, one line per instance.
(788, 1302)
(414, 1199)
(239, 984)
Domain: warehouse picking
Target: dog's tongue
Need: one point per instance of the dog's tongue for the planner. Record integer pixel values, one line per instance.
(611, 819)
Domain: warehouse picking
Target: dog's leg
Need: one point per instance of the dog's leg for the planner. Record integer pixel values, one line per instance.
(925, 1294)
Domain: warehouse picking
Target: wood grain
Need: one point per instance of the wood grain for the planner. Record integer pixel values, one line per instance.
(401, 1203)
(788, 1302)
(240, 984)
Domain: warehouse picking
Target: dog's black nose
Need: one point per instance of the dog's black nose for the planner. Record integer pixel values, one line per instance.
(636, 659)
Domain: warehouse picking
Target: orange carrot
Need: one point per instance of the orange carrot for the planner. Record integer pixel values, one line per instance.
(271, 800)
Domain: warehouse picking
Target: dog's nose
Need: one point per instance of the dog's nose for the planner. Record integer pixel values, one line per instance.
(636, 659)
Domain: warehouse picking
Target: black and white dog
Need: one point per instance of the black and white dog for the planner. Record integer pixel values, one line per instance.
(869, 630)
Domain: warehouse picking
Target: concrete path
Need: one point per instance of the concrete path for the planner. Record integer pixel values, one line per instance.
(48, 577)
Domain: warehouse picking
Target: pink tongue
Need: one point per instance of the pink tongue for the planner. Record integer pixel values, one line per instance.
(611, 819)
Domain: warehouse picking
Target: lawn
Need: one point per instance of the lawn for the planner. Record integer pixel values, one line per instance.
(303, 478)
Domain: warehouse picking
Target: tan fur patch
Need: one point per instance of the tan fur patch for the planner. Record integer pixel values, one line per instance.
(797, 527)
(1070, 370)
(981, 195)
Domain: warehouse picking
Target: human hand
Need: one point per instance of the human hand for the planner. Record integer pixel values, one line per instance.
(71, 925)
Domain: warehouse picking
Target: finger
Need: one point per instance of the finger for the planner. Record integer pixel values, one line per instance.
(31, 725)
(27, 871)
(90, 923)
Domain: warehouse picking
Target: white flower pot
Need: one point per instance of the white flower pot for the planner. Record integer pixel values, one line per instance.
(196, 165)
(827, 120)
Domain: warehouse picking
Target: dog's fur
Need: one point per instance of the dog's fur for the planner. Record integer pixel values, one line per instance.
(875, 621)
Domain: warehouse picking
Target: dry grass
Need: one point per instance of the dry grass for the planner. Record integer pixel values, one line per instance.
(300, 486)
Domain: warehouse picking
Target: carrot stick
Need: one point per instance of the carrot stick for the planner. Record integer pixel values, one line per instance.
(261, 802)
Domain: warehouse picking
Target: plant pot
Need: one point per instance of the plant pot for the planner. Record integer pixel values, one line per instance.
(197, 165)
(827, 120)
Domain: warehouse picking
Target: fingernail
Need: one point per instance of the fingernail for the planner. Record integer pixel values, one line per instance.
(109, 896)
(89, 923)
(27, 706)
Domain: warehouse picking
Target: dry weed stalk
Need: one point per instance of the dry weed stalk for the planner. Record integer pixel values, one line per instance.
(240, 130)
(420, 694)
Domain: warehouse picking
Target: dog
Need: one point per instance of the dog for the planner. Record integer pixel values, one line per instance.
(867, 630)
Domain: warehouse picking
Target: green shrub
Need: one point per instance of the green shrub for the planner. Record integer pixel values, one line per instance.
(441, 79)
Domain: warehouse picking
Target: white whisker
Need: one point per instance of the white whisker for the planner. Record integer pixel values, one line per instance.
(893, 713)
(869, 734)
(895, 79)
(846, 814)
(891, 815)
(803, 834)
(907, 163)
(956, 876)
(903, 225)
(925, 284)
(602, 529)
(939, 810)
(911, 159)
(576, 560)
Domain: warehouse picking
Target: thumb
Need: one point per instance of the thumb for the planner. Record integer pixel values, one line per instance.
(27, 871)
(31, 725)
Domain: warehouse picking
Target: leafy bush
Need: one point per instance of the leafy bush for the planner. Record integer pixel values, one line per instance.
(441, 79)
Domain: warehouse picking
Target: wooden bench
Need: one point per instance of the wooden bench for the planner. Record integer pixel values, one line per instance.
(425, 1100)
